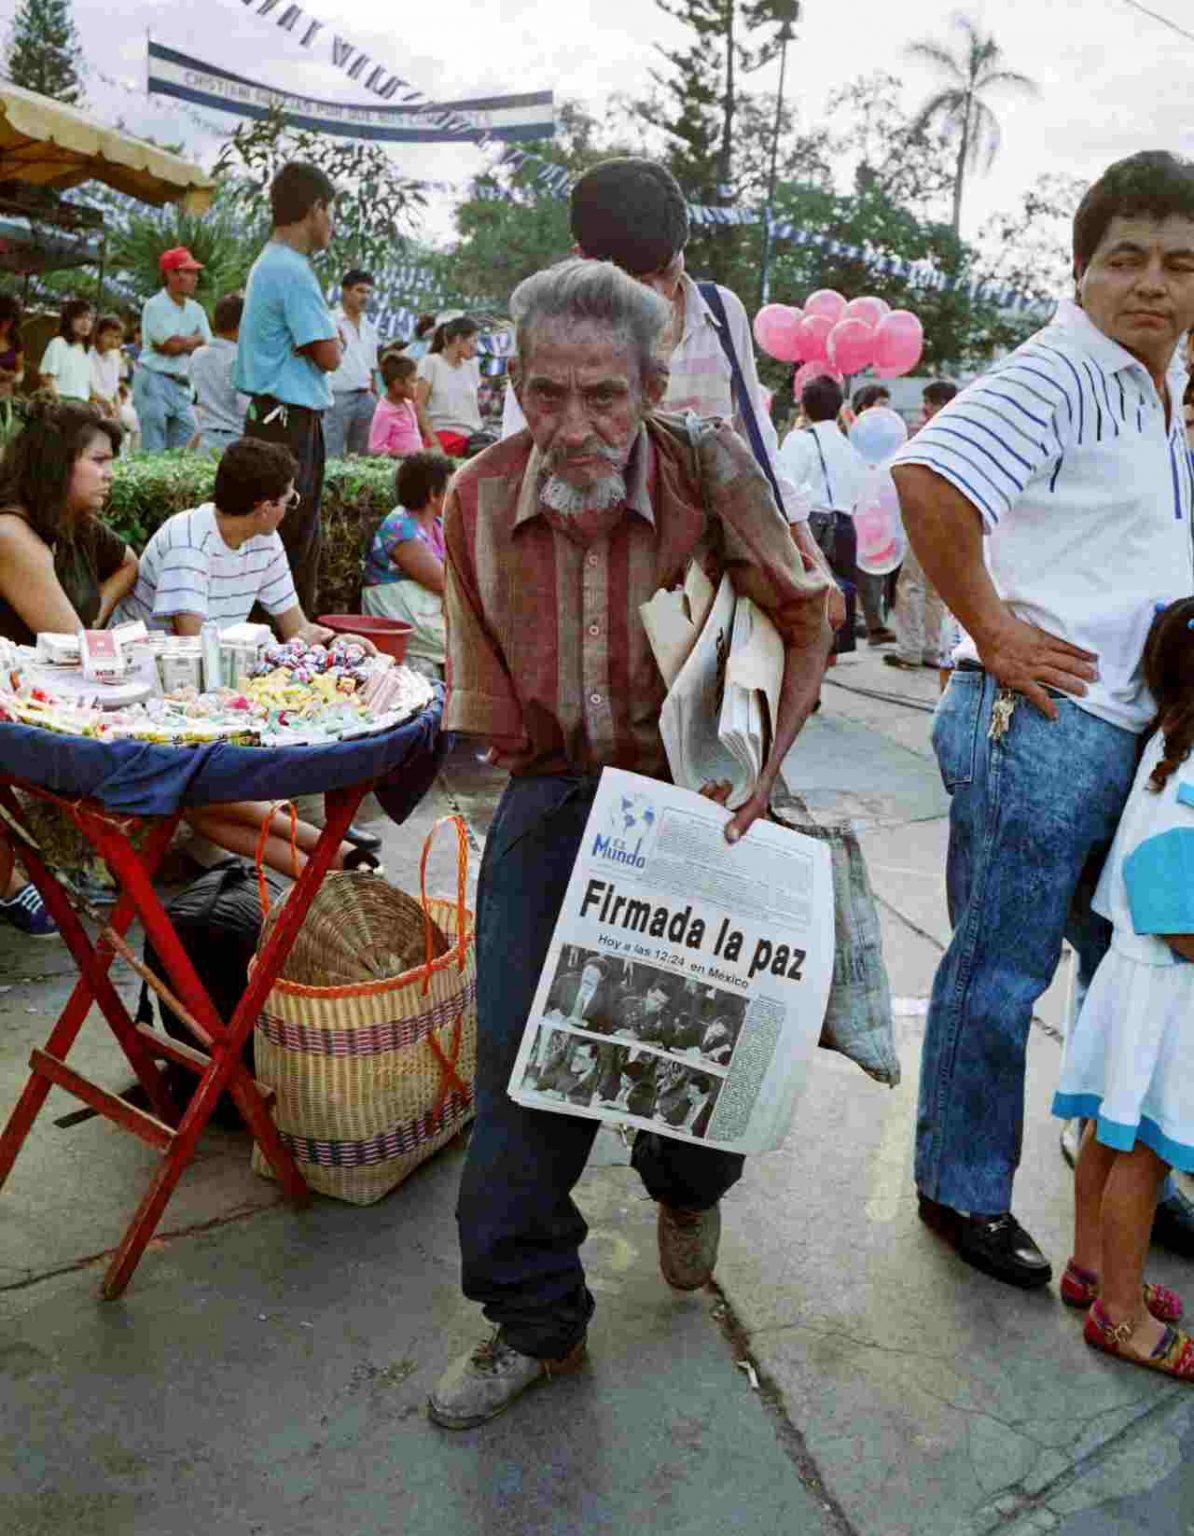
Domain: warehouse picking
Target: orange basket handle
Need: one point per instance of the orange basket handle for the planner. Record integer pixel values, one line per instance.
(461, 894)
(263, 838)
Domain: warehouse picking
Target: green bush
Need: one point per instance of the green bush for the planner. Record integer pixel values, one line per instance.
(357, 493)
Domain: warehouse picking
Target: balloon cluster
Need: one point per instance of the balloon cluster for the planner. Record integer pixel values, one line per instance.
(835, 336)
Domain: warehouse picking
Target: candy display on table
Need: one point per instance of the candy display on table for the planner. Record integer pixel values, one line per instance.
(273, 694)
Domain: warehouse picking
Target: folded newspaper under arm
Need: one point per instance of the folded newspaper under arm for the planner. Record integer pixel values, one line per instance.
(687, 978)
(718, 719)
(673, 620)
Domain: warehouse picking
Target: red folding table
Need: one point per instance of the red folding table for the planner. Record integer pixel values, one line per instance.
(109, 790)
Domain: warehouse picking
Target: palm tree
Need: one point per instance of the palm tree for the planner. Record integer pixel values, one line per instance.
(970, 73)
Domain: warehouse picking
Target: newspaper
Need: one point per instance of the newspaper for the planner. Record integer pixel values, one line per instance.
(687, 978)
(722, 704)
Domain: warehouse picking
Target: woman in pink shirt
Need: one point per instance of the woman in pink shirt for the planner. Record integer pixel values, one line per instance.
(395, 430)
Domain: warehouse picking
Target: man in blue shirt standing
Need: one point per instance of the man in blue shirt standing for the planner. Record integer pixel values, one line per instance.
(173, 325)
(287, 350)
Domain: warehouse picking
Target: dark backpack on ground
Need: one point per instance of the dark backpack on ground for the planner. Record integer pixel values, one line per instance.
(218, 922)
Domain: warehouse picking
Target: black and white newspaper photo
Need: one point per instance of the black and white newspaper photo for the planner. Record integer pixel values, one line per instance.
(687, 978)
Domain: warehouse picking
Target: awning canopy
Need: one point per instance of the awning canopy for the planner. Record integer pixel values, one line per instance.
(48, 144)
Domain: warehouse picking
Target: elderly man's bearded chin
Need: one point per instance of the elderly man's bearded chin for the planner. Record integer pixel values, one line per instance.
(604, 484)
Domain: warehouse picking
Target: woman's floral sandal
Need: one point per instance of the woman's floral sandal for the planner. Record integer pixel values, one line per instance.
(1173, 1356)
(1080, 1288)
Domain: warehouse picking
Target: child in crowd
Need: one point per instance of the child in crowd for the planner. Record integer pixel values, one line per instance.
(105, 365)
(395, 427)
(404, 572)
(219, 406)
(1128, 1068)
(65, 364)
(129, 420)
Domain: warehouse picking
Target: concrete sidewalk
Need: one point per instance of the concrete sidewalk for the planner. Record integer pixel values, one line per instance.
(266, 1370)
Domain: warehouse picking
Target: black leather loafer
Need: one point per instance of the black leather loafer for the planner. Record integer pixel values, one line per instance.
(360, 838)
(997, 1245)
(1173, 1225)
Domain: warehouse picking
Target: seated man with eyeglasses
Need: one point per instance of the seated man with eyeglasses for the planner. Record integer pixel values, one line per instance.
(216, 561)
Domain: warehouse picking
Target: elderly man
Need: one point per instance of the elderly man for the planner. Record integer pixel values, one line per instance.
(1070, 457)
(354, 390)
(633, 212)
(173, 325)
(554, 538)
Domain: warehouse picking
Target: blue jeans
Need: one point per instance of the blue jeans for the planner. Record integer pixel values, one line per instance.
(346, 425)
(520, 1232)
(215, 439)
(164, 406)
(1031, 821)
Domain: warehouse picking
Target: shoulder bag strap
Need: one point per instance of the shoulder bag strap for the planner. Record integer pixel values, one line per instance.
(746, 408)
(824, 466)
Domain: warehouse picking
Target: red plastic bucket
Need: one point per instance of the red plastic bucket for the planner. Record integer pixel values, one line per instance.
(388, 635)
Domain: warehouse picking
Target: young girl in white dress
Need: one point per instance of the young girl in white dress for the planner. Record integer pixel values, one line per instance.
(1128, 1068)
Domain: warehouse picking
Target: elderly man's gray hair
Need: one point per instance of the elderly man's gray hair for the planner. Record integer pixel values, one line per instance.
(577, 291)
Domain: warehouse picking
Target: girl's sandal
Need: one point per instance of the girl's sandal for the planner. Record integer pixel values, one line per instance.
(1080, 1288)
(1173, 1356)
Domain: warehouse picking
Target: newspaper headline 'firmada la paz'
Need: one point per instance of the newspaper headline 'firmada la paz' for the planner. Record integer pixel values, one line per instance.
(687, 977)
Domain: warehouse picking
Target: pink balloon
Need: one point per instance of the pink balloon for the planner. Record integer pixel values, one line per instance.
(827, 302)
(808, 373)
(850, 346)
(814, 333)
(899, 342)
(869, 311)
(777, 331)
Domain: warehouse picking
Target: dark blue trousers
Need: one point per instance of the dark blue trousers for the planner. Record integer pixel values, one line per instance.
(520, 1232)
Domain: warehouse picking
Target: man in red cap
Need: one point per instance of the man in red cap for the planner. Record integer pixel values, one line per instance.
(173, 326)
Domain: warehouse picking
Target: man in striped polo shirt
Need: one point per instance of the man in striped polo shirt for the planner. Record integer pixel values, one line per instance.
(554, 539)
(1067, 461)
(216, 561)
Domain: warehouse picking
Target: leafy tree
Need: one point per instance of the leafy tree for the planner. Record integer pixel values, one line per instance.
(43, 50)
(1030, 251)
(910, 162)
(376, 208)
(219, 238)
(894, 213)
(970, 73)
(717, 138)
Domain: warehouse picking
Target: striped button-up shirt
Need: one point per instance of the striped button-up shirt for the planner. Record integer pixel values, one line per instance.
(1085, 491)
(548, 658)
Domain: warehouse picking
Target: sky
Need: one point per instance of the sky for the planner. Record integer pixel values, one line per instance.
(1111, 80)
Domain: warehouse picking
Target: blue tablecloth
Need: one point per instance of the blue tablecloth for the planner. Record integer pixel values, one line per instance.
(143, 780)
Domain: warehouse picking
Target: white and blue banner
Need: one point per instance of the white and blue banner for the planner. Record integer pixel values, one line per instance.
(509, 118)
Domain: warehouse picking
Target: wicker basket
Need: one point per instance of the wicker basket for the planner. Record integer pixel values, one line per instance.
(373, 1076)
(358, 929)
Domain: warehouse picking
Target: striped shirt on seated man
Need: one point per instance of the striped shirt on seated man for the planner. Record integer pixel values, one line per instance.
(217, 560)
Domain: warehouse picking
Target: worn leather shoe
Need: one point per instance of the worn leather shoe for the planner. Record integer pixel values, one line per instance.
(688, 1243)
(486, 1381)
(998, 1245)
(1173, 1225)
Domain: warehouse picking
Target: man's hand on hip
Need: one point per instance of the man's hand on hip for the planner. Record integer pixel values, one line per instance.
(1029, 660)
